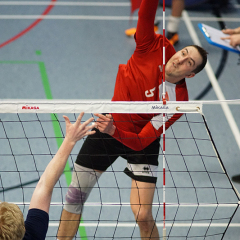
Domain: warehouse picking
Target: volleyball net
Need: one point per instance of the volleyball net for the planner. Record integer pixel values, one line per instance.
(201, 200)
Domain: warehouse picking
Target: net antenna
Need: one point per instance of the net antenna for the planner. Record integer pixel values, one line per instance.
(164, 129)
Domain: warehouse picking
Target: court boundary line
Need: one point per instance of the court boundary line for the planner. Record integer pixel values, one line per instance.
(66, 3)
(106, 18)
(43, 3)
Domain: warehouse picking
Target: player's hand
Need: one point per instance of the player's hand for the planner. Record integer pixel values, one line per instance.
(234, 39)
(78, 130)
(105, 123)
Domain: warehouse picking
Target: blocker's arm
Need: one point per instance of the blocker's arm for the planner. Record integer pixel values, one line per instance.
(42, 194)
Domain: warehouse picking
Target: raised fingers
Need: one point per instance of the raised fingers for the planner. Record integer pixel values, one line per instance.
(79, 119)
(100, 115)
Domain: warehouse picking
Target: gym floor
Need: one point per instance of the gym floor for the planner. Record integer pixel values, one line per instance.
(81, 45)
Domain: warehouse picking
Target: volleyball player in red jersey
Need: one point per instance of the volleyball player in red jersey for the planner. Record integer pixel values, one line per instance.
(134, 137)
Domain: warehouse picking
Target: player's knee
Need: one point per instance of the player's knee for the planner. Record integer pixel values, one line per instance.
(83, 180)
(146, 226)
(145, 220)
(74, 200)
(141, 211)
(143, 217)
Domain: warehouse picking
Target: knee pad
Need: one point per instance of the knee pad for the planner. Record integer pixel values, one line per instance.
(83, 180)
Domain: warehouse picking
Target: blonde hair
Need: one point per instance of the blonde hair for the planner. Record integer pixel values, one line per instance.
(11, 222)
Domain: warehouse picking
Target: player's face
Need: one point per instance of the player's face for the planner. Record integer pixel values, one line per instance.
(182, 63)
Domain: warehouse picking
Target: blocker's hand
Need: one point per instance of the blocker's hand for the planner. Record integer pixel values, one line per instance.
(78, 130)
(105, 123)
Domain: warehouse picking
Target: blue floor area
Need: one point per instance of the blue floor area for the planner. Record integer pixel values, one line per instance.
(80, 47)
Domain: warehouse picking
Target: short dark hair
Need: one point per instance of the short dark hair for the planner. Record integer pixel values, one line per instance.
(203, 54)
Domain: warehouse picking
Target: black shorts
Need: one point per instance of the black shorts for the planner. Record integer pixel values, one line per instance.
(100, 150)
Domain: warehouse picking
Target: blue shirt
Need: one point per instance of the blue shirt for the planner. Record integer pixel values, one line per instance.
(36, 224)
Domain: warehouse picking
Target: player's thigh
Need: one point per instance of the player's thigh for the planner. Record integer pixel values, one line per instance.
(141, 197)
(142, 165)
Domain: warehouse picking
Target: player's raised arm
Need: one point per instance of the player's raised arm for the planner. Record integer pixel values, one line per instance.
(146, 17)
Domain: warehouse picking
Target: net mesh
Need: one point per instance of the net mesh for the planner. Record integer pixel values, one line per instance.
(200, 197)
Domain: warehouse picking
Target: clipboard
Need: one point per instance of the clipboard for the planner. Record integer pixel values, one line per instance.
(213, 36)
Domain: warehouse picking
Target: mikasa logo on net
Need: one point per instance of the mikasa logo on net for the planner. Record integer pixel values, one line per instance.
(160, 107)
(30, 107)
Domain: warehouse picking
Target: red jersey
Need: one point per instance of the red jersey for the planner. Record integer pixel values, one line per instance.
(141, 80)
